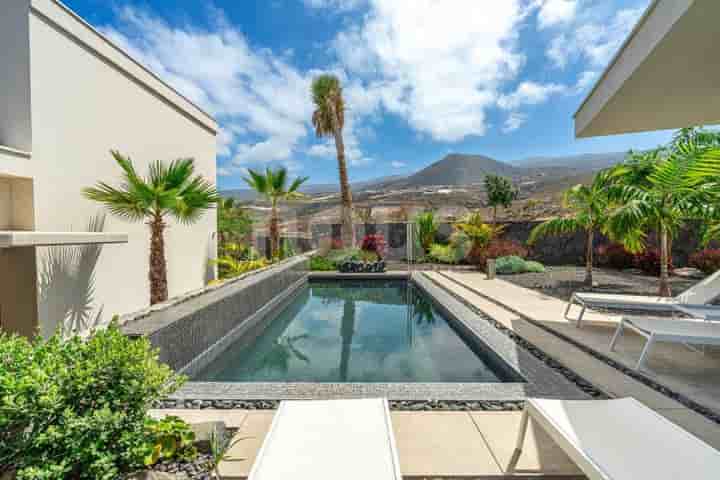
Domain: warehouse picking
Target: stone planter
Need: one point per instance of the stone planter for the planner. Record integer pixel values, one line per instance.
(352, 266)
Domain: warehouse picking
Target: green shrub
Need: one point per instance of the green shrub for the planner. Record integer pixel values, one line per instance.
(534, 267)
(509, 265)
(77, 408)
(514, 264)
(460, 244)
(168, 439)
(322, 264)
(344, 254)
(442, 253)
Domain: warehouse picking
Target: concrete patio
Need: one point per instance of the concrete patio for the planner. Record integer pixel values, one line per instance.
(430, 444)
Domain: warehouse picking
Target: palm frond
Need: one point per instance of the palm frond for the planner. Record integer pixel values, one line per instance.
(555, 226)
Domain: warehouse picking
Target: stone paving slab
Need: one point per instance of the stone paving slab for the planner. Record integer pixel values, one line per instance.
(430, 444)
(602, 375)
(540, 454)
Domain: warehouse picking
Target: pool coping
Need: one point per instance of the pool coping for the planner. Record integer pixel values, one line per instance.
(541, 380)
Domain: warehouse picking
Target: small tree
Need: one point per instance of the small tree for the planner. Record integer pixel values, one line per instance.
(589, 205)
(478, 232)
(273, 185)
(500, 192)
(168, 191)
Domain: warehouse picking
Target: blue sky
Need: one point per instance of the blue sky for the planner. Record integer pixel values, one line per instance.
(422, 78)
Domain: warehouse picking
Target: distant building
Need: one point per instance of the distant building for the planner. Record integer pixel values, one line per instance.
(68, 96)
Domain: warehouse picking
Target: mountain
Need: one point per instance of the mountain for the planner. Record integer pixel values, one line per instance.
(248, 195)
(581, 163)
(459, 169)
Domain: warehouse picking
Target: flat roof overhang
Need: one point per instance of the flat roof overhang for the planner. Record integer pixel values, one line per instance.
(19, 238)
(665, 76)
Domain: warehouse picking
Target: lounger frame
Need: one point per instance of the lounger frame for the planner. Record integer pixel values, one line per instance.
(652, 337)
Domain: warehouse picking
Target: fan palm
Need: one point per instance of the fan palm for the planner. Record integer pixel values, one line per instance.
(273, 184)
(589, 206)
(329, 120)
(660, 190)
(168, 191)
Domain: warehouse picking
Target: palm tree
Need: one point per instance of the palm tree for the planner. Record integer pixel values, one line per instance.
(273, 185)
(233, 221)
(500, 192)
(589, 206)
(329, 120)
(168, 191)
(660, 190)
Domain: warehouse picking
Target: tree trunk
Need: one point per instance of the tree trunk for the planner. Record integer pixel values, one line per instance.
(589, 258)
(665, 290)
(494, 214)
(347, 330)
(274, 233)
(158, 267)
(348, 235)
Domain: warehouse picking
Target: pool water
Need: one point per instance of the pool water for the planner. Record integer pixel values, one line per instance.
(356, 331)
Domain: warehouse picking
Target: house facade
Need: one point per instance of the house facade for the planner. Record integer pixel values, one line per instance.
(69, 96)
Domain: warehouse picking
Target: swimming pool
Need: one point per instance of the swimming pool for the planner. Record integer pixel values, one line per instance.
(358, 331)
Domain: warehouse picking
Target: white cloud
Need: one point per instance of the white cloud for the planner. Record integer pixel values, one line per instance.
(341, 5)
(438, 67)
(556, 12)
(529, 93)
(585, 80)
(514, 121)
(593, 38)
(398, 164)
(261, 102)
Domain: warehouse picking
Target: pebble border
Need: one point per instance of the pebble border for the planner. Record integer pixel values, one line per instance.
(658, 387)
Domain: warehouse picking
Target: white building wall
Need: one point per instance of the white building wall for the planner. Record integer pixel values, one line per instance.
(88, 98)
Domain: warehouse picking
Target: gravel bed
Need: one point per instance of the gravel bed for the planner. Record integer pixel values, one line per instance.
(397, 405)
(560, 282)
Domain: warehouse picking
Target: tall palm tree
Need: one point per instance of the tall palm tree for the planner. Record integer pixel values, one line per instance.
(660, 190)
(329, 120)
(589, 206)
(273, 185)
(168, 191)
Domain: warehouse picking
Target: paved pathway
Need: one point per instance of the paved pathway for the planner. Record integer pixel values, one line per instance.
(548, 311)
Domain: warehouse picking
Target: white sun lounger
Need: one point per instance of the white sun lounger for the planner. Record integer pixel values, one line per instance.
(700, 294)
(329, 440)
(620, 440)
(675, 330)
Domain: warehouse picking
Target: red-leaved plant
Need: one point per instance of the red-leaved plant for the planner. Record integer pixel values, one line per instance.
(500, 247)
(615, 256)
(649, 262)
(707, 261)
(374, 243)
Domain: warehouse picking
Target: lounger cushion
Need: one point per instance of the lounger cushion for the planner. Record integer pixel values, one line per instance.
(329, 440)
(630, 300)
(624, 440)
(681, 328)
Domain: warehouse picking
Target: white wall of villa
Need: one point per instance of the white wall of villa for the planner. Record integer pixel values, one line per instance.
(83, 96)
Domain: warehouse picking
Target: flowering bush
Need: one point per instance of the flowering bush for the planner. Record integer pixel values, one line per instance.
(707, 261)
(500, 247)
(649, 262)
(614, 256)
(374, 243)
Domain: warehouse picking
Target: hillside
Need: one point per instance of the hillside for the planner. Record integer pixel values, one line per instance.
(582, 163)
(459, 169)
